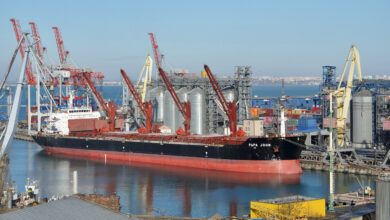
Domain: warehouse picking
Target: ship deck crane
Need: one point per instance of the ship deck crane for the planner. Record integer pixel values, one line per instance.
(343, 93)
(19, 35)
(145, 107)
(109, 107)
(228, 107)
(156, 52)
(184, 107)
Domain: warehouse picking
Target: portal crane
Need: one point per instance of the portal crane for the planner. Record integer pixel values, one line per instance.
(157, 56)
(74, 72)
(228, 107)
(146, 74)
(62, 53)
(343, 93)
(37, 40)
(145, 107)
(109, 107)
(18, 34)
(39, 53)
(184, 107)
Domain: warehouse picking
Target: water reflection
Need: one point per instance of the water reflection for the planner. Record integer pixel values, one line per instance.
(198, 174)
(151, 189)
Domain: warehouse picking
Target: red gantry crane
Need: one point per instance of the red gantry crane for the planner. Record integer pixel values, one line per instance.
(145, 107)
(40, 50)
(63, 54)
(157, 56)
(228, 107)
(184, 107)
(19, 35)
(74, 72)
(109, 107)
(37, 38)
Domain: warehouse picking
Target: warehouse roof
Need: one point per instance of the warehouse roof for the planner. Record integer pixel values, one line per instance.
(64, 209)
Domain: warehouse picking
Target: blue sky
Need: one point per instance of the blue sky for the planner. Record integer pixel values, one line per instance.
(280, 38)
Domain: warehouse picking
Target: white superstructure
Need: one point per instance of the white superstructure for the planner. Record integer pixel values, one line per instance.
(58, 121)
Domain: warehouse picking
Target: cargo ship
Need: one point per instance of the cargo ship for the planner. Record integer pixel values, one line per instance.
(211, 152)
(82, 132)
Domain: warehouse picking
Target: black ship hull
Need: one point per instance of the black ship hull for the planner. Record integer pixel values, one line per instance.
(254, 155)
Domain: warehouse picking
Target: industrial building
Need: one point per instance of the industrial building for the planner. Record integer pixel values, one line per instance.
(367, 122)
(292, 207)
(207, 114)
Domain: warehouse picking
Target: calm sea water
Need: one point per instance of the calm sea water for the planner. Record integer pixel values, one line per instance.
(145, 189)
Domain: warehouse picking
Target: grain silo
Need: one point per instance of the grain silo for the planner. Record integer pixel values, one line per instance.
(169, 108)
(362, 119)
(198, 111)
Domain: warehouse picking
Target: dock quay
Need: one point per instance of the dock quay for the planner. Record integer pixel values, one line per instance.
(4, 161)
(21, 134)
(347, 161)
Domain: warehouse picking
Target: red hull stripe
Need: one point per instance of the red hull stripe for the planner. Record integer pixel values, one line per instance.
(245, 166)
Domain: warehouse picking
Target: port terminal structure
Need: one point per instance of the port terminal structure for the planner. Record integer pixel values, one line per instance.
(51, 87)
(54, 87)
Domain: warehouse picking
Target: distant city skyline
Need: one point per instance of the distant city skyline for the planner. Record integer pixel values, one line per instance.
(276, 38)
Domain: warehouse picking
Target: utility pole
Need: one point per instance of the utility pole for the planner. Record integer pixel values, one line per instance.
(331, 155)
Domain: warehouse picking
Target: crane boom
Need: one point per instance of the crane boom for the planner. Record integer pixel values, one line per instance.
(109, 108)
(8, 133)
(145, 107)
(343, 94)
(184, 108)
(39, 50)
(228, 107)
(156, 52)
(62, 53)
(146, 73)
(37, 39)
(18, 34)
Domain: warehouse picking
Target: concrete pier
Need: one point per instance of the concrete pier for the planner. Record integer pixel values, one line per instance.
(316, 161)
(21, 134)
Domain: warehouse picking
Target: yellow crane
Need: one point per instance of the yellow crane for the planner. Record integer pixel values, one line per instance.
(145, 78)
(343, 93)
